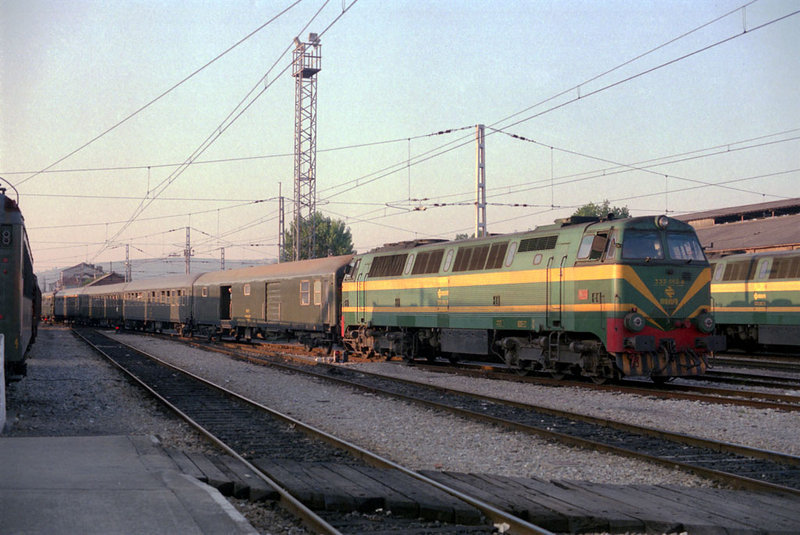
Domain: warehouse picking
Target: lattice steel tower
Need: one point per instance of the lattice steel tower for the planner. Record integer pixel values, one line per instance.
(306, 64)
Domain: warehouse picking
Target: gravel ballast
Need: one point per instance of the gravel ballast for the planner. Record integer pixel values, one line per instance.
(72, 391)
(422, 438)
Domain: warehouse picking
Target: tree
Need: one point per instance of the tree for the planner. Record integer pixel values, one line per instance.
(602, 210)
(332, 238)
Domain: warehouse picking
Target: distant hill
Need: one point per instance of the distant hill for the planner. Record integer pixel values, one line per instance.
(152, 268)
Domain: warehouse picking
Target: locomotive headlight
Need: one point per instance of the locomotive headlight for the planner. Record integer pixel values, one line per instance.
(634, 322)
(705, 323)
(662, 221)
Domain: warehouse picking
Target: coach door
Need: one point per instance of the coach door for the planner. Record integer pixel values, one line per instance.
(224, 302)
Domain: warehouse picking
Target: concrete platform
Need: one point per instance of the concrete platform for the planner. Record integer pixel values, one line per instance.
(108, 485)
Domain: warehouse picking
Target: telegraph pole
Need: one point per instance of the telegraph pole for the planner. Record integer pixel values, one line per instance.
(306, 64)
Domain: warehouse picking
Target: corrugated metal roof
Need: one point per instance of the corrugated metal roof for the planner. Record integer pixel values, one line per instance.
(752, 234)
(764, 207)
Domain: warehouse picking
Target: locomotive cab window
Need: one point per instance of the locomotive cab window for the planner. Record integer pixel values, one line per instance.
(642, 245)
(684, 246)
(352, 269)
(592, 246)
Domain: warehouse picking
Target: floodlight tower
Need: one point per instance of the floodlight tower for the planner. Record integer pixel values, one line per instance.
(306, 64)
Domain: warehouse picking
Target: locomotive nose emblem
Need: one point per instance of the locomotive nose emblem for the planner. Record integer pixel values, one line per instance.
(669, 292)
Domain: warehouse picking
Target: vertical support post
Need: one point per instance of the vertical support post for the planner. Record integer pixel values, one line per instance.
(480, 182)
(127, 263)
(187, 252)
(306, 64)
(281, 226)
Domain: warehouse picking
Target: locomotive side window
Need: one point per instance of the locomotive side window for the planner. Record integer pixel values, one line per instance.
(785, 268)
(737, 271)
(204, 292)
(512, 251)
(592, 246)
(352, 269)
(719, 269)
(409, 263)
(428, 262)
(540, 243)
(496, 255)
(764, 268)
(642, 244)
(246, 289)
(387, 266)
(448, 262)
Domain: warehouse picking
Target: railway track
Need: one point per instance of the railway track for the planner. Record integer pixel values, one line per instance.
(260, 437)
(735, 465)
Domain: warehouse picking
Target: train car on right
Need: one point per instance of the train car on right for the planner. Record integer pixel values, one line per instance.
(757, 299)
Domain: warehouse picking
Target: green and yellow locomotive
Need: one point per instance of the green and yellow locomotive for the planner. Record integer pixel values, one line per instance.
(757, 298)
(600, 298)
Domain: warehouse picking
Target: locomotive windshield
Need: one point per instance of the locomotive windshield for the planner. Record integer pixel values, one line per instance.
(684, 246)
(649, 245)
(642, 244)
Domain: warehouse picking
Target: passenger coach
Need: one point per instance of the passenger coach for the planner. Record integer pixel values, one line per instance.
(20, 298)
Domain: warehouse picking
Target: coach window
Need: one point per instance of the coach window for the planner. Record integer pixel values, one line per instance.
(246, 290)
(317, 293)
(305, 293)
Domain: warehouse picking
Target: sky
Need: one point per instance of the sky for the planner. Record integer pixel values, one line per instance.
(660, 106)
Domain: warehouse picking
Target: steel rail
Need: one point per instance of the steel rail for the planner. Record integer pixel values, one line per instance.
(497, 516)
(288, 502)
(732, 479)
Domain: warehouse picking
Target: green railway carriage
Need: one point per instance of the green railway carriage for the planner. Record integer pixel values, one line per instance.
(604, 298)
(20, 297)
(757, 298)
(157, 304)
(295, 297)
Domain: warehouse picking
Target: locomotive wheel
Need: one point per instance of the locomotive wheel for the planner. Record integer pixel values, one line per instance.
(599, 380)
(557, 375)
